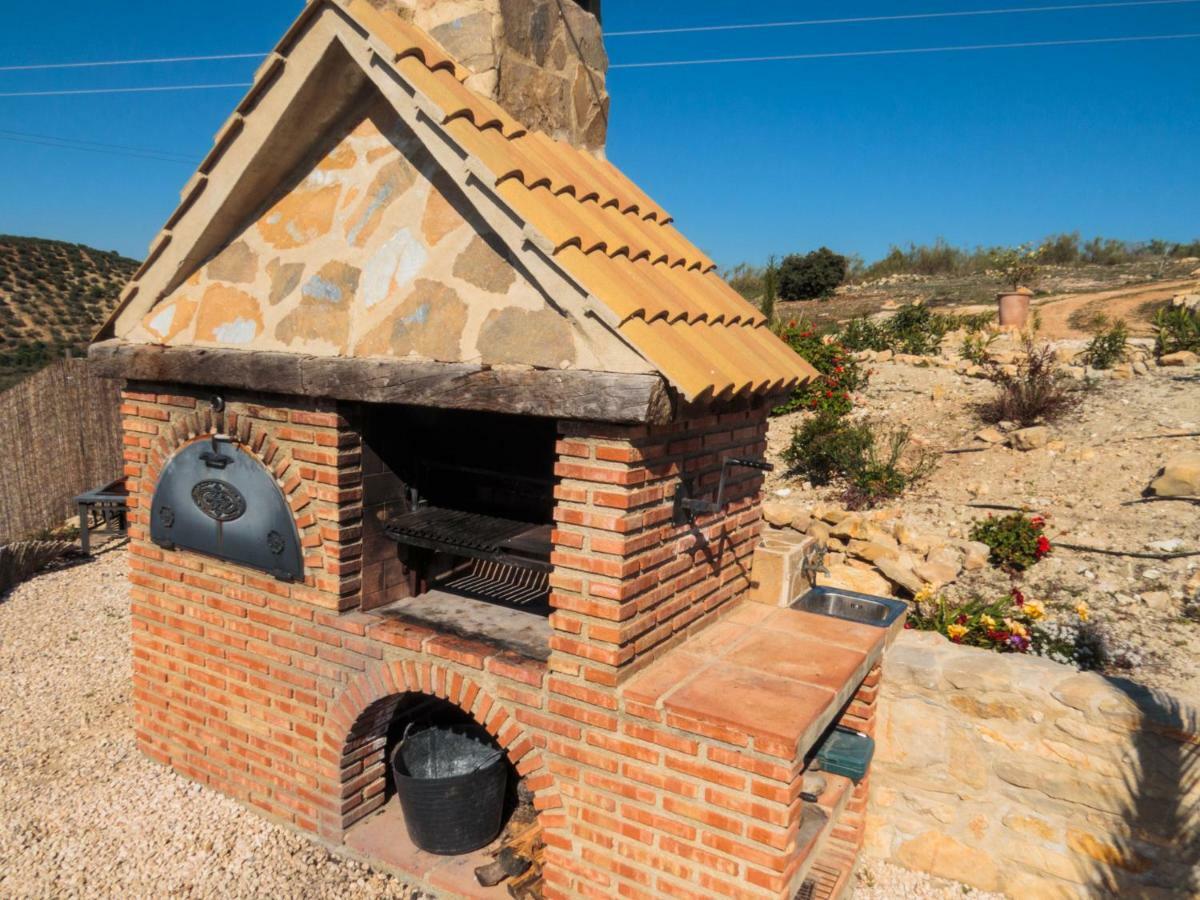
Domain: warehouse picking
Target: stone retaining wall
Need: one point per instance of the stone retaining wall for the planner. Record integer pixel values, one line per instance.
(1019, 775)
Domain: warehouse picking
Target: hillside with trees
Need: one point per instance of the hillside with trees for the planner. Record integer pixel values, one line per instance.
(53, 297)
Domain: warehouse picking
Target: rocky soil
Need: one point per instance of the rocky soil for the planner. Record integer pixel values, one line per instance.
(83, 814)
(1087, 481)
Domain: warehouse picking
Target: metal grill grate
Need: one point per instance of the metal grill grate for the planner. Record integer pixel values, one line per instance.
(502, 583)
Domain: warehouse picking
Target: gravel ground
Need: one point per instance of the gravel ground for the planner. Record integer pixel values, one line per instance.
(878, 880)
(83, 814)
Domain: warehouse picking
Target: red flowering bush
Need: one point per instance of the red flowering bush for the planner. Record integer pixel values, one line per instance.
(1017, 541)
(841, 374)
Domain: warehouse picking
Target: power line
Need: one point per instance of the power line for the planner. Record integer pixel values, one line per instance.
(798, 23)
(129, 62)
(127, 90)
(857, 20)
(906, 50)
(841, 54)
(48, 140)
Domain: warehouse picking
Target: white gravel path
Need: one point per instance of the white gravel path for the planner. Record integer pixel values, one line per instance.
(84, 814)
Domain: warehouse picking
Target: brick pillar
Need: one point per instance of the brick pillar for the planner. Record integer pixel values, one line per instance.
(628, 583)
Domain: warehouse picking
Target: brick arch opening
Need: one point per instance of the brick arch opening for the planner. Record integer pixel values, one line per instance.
(358, 727)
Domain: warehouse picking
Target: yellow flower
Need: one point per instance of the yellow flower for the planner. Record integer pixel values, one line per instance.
(1035, 609)
(988, 622)
(925, 594)
(1081, 610)
(1016, 628)
(956, 631)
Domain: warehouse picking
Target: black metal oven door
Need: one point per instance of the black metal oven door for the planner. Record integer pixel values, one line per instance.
(216, 499)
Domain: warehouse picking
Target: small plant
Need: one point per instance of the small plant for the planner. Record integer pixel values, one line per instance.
(811, 276)
(822, 444)
(885, 468)
(918, 330)
(1013, 624)
(1017, 541)
(1177, 328)
(1037, 391)
(1109, 344)
(1017, 265)
(976, 346)
(841, 374)
(914, 329)
(875, 465)
(862, 333)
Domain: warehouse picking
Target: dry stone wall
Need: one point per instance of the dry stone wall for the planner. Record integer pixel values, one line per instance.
(1019, 775)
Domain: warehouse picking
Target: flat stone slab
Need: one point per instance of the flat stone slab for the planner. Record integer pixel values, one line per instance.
(383, 839)
(777, 676)
(524, 632)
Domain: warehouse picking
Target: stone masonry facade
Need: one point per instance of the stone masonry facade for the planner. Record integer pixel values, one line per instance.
(280, 695)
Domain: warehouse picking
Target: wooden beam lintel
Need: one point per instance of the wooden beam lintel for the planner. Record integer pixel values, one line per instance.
(555, 393)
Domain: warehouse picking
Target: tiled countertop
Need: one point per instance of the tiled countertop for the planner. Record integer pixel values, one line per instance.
(777, 676)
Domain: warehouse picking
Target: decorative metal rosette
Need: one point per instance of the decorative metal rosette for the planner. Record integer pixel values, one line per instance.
(219, 500)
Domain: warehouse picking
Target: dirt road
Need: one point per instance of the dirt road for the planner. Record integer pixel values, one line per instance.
(1056, 310)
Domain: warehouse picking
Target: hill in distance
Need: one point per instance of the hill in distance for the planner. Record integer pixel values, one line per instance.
(53, 297)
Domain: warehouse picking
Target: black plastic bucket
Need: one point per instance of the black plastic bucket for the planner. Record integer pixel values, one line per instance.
(451, 787)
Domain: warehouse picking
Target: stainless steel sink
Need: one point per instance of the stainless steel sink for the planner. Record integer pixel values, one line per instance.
(851, 606)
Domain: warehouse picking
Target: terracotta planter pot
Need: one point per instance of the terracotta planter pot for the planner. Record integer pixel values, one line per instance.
(1014, 308)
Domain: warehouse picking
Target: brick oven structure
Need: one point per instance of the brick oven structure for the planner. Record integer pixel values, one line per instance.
(378, 275)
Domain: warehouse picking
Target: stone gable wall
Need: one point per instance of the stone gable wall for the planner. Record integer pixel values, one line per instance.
(1020, 775)
(544, 65)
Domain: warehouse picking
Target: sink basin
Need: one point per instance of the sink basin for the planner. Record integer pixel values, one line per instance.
(851, 606)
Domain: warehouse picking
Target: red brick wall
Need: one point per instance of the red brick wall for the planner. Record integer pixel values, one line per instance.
(280, 694)
(255, 686)
(628, 583)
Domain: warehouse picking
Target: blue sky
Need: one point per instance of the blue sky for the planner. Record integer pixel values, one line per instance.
(995, 146)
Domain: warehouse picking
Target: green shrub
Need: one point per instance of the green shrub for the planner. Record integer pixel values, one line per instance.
(862, 333)
(916, 329)
(811, 276)
(1109, 344)
(840, 372)
(1061, 249)
(976, 346)
(875, 465)
(1038, 391)
(1017, 541)
(1177, 328)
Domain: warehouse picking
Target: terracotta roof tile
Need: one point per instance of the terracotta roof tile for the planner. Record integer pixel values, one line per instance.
(605, 232)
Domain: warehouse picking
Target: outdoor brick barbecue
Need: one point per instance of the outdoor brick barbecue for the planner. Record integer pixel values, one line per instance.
(465, 373)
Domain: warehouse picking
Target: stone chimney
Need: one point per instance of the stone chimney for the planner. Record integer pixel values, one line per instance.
(542, 60)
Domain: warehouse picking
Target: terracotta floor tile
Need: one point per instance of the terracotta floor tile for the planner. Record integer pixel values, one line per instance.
(754, 702)
(854, 635)
(750, 613)
(663, 676)
(801, 658)
(718, 639)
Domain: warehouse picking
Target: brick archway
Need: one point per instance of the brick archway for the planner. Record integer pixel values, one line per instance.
(356, 733)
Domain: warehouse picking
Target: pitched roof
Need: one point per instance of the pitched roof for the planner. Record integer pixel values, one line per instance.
(600, 230)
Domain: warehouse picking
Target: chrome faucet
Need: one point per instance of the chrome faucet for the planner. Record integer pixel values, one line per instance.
(813, 563)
